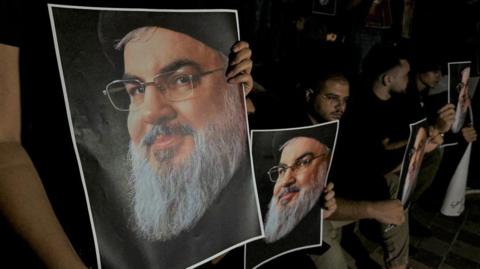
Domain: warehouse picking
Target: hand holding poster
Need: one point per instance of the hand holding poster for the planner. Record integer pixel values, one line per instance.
(291, 171)
(161, 140)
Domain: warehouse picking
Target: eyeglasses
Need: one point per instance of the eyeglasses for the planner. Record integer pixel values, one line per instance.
(299, 166)
(126, 94)
(335, 100)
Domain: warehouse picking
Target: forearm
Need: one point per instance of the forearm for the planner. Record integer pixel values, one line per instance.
(351, 210)
(25, 204)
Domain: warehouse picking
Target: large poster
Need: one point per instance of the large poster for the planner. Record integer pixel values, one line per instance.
(291, 170)
(412, 160)
(160, 136)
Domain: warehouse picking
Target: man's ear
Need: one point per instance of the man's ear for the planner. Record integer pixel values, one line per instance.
(386, 79)
(308, 95)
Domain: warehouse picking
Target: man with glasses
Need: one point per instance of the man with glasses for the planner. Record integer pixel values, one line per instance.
(190, 176)
(46, 142)
(328, 98)
(299, 178)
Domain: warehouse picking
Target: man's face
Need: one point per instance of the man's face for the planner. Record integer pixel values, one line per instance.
(167, 51)
(400, 77)
(183, 153)
(331, 102)
(463, 91)
(298, 187)
(309, 158)
(431, 78)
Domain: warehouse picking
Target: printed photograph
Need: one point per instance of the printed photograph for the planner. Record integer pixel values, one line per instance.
(161, 136)
(412, 160)
(458, 91)
(291, 170)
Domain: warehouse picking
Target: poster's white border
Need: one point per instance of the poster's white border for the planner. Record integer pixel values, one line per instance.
(337, 123)
(67, 105)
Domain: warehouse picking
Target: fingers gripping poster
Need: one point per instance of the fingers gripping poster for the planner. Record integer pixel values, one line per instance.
(291, 170)
(160, 136)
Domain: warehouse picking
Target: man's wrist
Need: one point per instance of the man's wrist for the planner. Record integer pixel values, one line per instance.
(369, 208)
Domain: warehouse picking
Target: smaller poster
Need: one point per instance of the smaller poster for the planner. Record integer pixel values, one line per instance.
(325, 7)
(458, 92)
(291, 170)
(412, 160)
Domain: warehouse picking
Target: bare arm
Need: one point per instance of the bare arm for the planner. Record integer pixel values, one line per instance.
(22, 197)
(387, 212)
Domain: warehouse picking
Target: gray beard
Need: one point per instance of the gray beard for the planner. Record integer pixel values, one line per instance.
(172, 198)
(281, 221)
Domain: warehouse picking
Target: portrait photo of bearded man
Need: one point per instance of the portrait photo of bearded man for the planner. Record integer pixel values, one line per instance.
(186, 191)
(291, 170)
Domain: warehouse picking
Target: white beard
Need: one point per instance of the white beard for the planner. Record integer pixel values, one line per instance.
(172, 198)
(281, 221)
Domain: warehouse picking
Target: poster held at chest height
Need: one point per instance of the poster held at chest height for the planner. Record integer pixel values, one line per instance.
(160, 136)
(412, 161)
(291, 170)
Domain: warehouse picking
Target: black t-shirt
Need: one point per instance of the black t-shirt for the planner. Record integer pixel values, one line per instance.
(362, 162)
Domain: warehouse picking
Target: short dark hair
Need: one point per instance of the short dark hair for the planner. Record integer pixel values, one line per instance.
(380, 59)
(321, 82)
(426, 61)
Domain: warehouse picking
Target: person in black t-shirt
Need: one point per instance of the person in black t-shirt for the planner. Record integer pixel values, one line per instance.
(327, 98)
(386, 73)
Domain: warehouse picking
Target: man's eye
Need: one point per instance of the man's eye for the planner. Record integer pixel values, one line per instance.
(304, 162)
(181, 80)
(333, 98)
(134, 89)
(281, 170)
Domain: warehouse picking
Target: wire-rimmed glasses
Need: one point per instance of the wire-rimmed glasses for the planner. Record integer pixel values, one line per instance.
(334, 99)
(126, 94)
(298, 166)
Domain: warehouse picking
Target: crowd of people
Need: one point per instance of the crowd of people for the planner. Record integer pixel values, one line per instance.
(375, 98)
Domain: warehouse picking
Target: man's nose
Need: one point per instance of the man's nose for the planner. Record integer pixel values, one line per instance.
(341, 105)
(288, 178)
(155, 106)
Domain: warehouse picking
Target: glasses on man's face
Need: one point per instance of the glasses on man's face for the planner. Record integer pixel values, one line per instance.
(298, 167)
(335, 100)
(127, 94)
